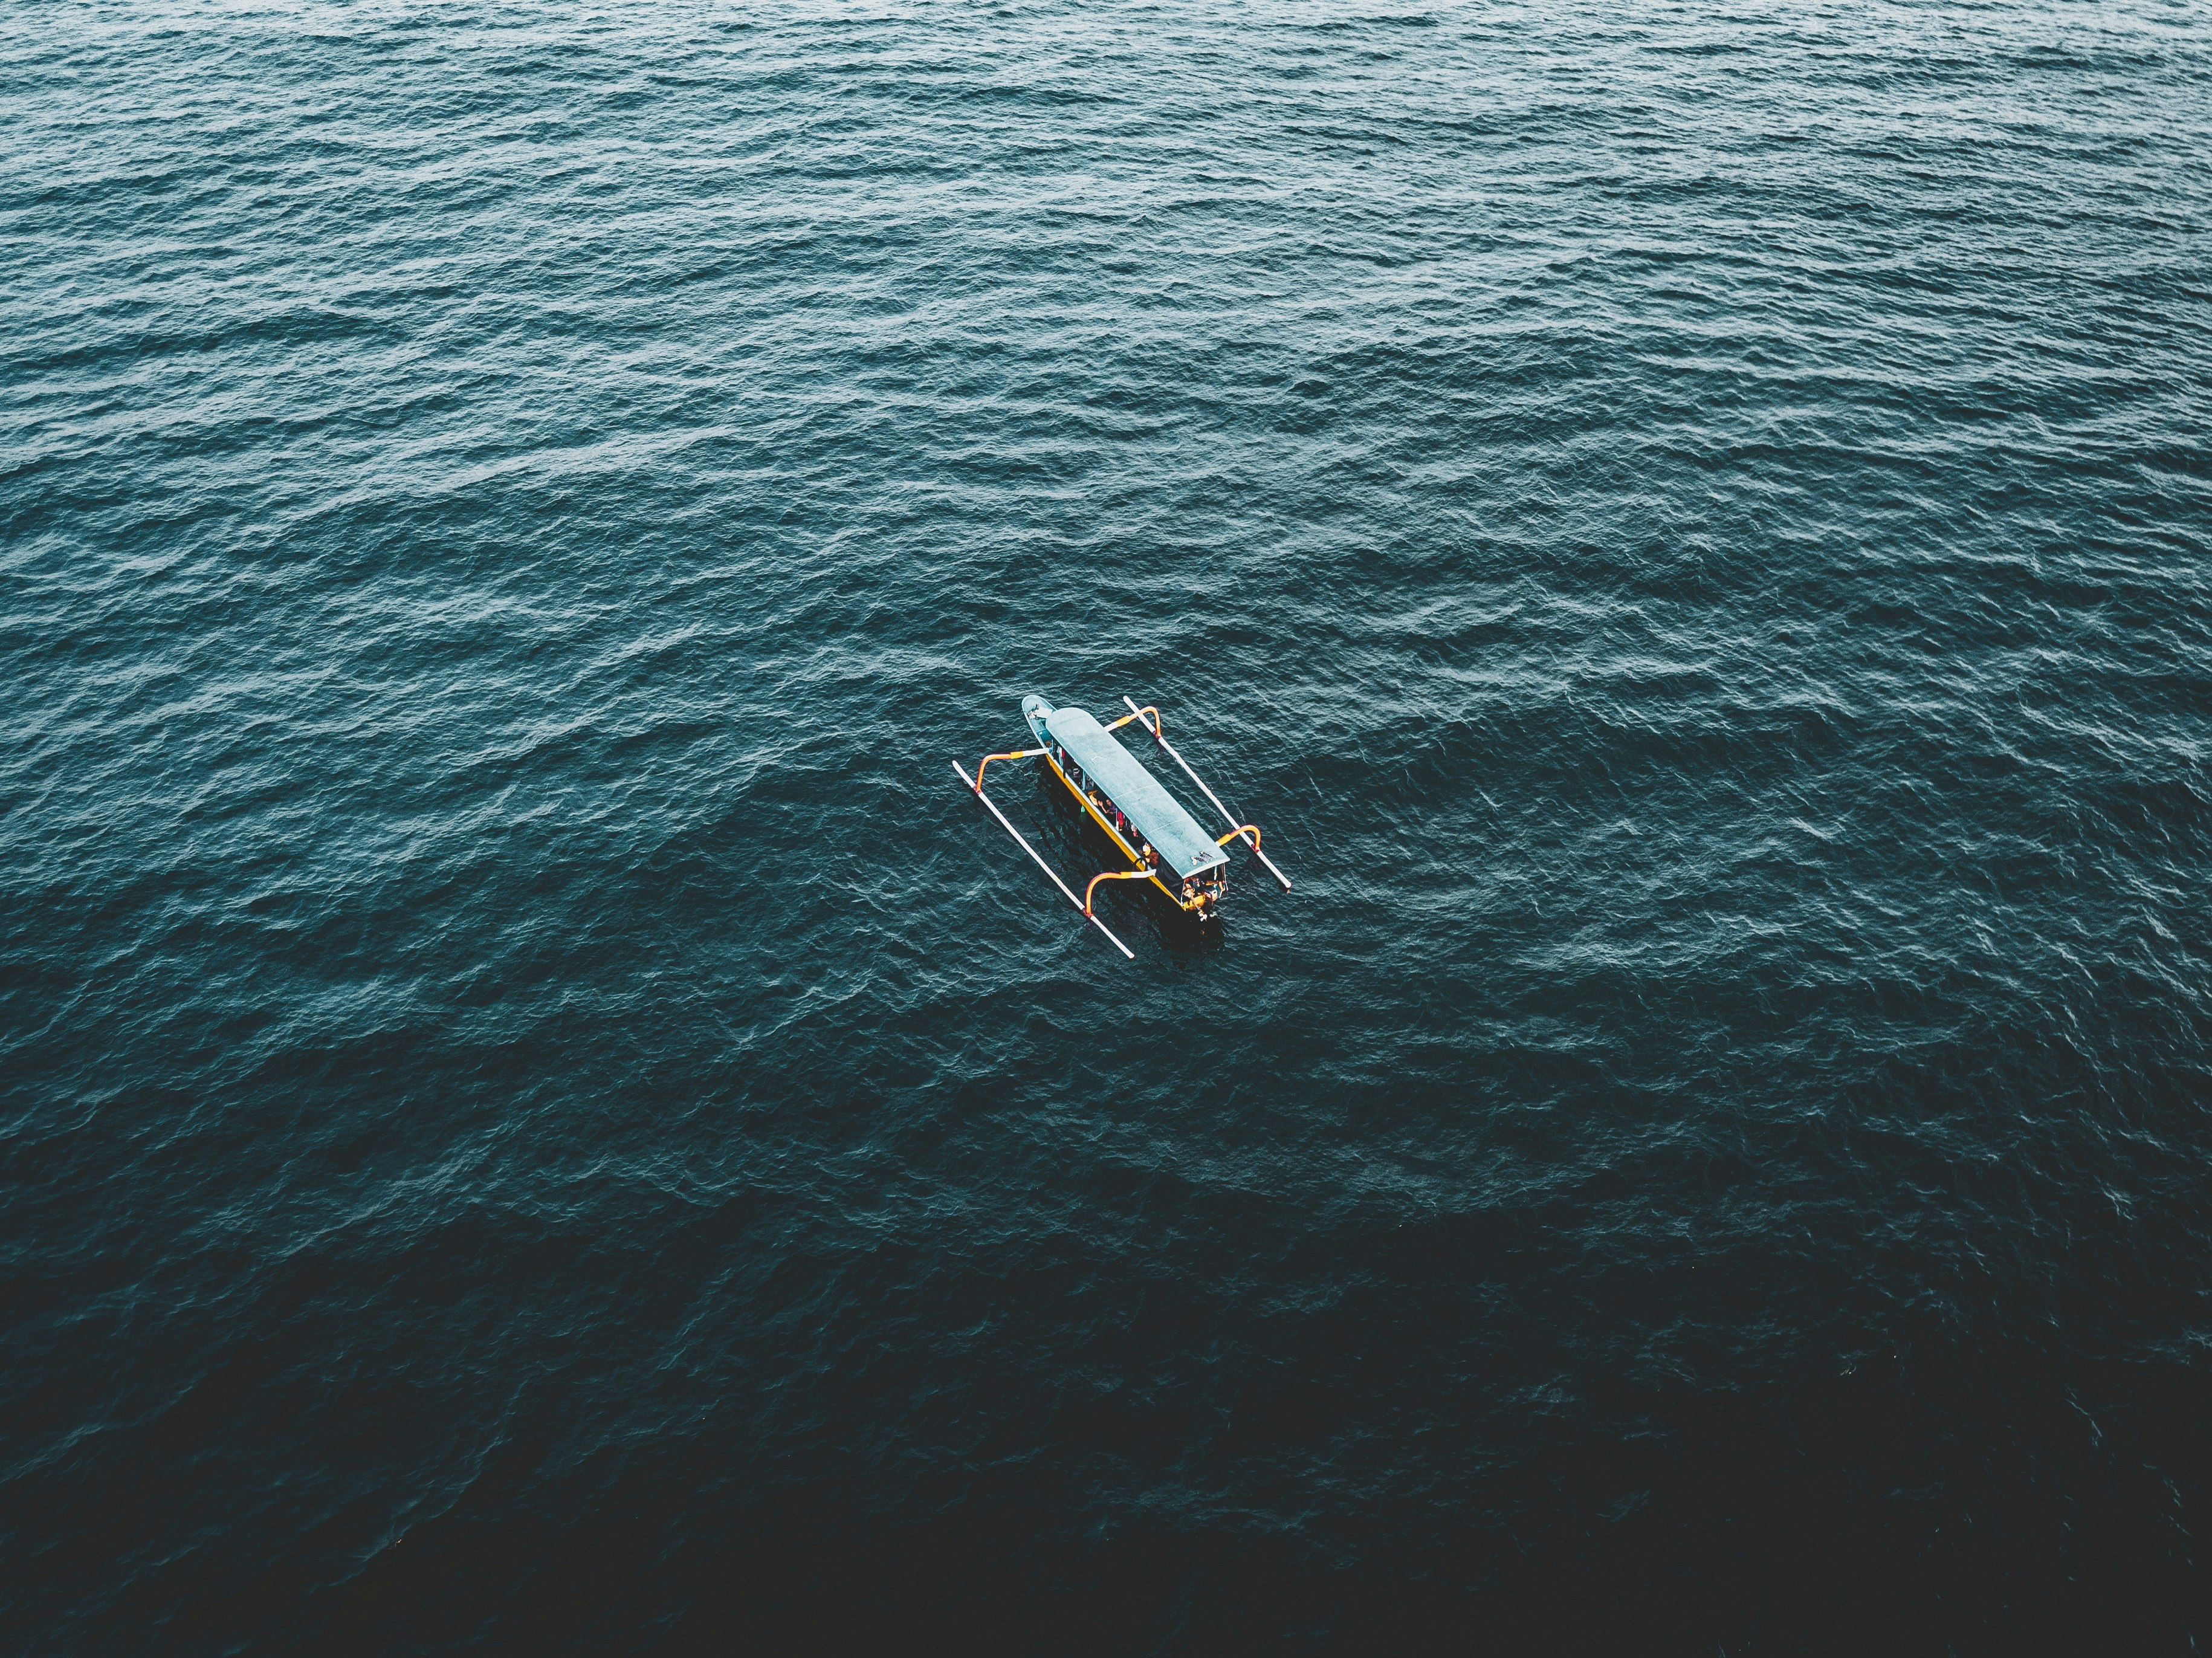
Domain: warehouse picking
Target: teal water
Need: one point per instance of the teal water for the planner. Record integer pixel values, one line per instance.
(539, 1116)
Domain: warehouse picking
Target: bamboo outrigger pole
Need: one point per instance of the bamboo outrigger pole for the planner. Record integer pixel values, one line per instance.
(1227, 817)
(976, 787)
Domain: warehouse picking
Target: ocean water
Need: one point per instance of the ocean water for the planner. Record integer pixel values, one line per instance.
(539, 1116)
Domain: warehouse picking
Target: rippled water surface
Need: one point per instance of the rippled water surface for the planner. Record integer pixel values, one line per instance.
(539, 1116)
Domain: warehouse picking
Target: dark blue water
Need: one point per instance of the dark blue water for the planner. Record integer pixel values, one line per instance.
(539, 1117)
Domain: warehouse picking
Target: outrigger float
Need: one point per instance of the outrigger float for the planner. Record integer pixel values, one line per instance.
(1163, 843)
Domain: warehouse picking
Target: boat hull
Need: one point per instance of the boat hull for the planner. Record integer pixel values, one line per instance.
(1201, 907)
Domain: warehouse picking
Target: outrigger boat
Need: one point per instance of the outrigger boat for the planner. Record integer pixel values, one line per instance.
(1163, 843)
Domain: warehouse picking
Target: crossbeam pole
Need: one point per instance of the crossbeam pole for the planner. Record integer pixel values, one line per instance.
(1113, 875)
(1016, 754)
(1227, 817)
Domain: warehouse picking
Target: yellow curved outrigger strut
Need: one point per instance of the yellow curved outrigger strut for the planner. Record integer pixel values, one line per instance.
(1112, 874)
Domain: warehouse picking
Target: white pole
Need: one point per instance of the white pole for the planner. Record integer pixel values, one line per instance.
(1227, 815)
(1041, 863)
